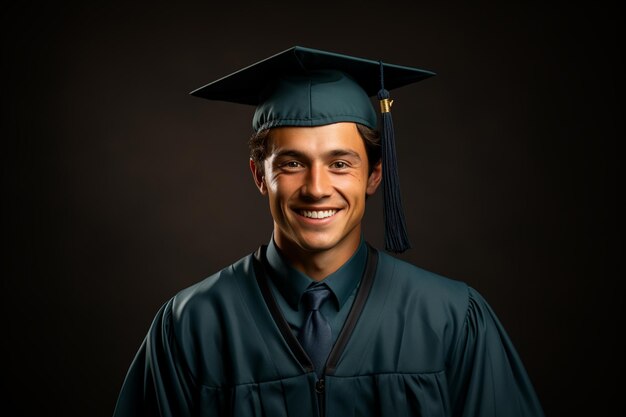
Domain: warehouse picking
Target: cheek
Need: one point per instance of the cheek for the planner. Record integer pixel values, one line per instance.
(281, 188)
(273, 181)
(353, 185)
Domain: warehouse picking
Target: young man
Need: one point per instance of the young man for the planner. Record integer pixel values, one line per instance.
(318, 323)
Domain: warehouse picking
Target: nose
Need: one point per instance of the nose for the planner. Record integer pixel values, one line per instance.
(317, 184)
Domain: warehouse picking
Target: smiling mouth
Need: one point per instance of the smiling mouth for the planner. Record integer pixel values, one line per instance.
(317, 214)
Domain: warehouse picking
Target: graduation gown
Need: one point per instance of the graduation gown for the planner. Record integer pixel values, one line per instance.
(413, 344)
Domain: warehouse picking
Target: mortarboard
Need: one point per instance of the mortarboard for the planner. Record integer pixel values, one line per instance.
(308, 87)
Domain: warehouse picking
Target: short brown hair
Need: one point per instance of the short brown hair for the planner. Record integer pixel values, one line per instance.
(371, 139)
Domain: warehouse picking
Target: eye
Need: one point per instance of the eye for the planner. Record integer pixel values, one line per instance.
(339, 165)
(291, 165)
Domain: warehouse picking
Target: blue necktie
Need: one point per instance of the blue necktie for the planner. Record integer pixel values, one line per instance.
(315, 335)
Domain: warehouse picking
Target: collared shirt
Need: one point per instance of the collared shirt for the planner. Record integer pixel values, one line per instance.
(288, 284)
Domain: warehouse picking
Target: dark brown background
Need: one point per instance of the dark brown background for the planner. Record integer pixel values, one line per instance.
(119, 189)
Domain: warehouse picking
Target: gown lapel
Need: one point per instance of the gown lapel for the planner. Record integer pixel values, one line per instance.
(367, 280)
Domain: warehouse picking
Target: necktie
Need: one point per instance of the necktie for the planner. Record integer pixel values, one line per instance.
(315, 334)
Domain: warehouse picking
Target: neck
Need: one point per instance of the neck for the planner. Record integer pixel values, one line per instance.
(318, 263)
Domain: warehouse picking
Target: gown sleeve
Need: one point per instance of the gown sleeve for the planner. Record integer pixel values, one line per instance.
(485, 373)
(157, 383)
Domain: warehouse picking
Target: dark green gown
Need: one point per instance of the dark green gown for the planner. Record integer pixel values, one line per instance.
(413, 344)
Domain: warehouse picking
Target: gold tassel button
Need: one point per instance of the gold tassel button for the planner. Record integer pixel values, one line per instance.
(385, 105)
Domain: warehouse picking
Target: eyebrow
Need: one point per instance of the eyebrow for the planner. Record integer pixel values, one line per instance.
(344, 152)
(291, 153)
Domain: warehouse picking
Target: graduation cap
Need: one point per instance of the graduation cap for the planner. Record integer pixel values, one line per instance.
(308, 87)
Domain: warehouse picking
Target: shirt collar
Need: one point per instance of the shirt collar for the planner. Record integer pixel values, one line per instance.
(292, 283)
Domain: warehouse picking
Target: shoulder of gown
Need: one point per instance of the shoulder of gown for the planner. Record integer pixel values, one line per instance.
(485, 374)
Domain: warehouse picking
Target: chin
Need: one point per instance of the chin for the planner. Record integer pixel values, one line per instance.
(315, 244)
(320, 243)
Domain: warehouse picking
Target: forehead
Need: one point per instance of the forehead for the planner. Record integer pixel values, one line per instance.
(318, 139)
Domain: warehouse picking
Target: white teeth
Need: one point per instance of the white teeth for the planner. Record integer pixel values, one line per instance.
(318, 214)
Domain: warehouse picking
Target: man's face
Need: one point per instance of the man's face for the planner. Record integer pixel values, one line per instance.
(316, 179)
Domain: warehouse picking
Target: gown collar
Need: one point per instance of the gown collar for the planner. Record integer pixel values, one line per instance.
(292, 283)
(261, 271)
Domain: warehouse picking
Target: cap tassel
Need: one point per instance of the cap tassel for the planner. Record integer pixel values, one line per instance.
(396, 236)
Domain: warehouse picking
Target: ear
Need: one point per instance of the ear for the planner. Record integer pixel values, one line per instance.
(259, 178)
(374, 179)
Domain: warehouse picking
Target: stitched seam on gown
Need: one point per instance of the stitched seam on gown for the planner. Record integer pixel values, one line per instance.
(250, 383)
(252, 317)
(464, 325)
(172, 333)
(218, 387)
(370, 340)
(392, 373)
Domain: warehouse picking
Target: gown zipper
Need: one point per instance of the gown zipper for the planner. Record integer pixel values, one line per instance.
(320, 389)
